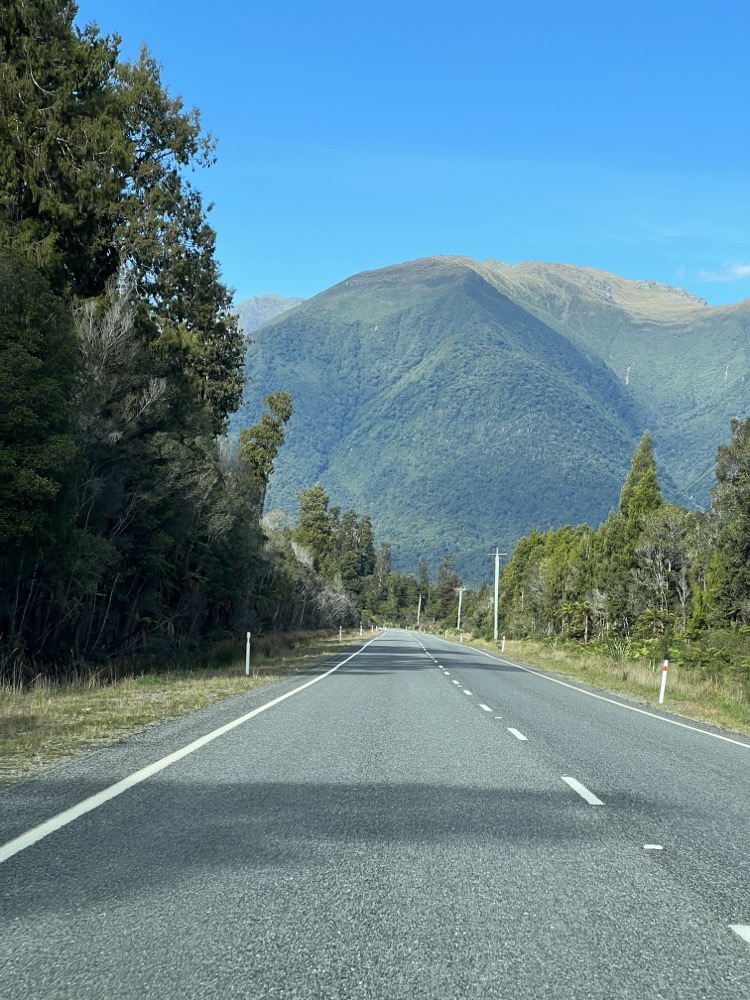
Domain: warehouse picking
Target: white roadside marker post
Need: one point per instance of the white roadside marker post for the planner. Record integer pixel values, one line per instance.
(340, 630)
(665, 667)
(247, 656)
(502, 648)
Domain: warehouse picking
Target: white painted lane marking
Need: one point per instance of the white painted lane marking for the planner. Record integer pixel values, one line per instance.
(583, 791)
(93, 802)
(457, 682)
(447, 673)
(467, 692)
(743, 930)
(601, 697)
(485, 708)
(653, 847)
(498, 716)
(518, 736)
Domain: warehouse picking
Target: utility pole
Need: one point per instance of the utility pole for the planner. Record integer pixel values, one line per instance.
(419, 609)
(460, 592)
(497, 553)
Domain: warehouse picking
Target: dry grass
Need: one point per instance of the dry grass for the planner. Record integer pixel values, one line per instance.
(47, 723)
(719, 703)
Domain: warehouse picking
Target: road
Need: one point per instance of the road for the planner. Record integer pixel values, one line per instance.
(424, 821)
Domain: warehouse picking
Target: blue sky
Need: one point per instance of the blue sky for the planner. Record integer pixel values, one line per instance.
(353, 136)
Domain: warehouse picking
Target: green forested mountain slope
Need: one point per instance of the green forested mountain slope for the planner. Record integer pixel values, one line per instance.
(461, 404)
(684, 362)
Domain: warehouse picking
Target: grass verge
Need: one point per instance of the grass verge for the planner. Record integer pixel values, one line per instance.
(47, 723)
(719, 702)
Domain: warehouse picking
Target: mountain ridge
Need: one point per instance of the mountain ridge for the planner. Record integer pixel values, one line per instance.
(461, 403)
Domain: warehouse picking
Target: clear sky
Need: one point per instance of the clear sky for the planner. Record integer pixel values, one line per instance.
(355, 135)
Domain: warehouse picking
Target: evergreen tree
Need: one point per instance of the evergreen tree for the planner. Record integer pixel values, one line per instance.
(259, 445)
(730, 576)
(641, 492)
(37, 372)
(313, 529)
(63, 153)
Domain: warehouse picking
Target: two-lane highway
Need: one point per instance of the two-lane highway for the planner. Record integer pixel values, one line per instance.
(424, 821)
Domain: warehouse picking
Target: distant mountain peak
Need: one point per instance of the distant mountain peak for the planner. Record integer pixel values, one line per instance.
(260, 309)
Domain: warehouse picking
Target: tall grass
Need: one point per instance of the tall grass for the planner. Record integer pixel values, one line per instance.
(45, 720)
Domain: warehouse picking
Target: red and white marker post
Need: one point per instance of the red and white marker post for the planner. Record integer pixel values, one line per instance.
(664, 669)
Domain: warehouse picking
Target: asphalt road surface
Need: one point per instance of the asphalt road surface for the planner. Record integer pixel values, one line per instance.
(423, 821)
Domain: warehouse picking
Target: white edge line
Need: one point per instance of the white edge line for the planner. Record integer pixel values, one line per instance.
(582, 791)
(742, 930)
(601, 697)
(518, 736)
(38, 833)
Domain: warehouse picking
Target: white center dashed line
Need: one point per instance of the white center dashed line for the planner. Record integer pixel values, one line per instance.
(518, 736)
(485, 708)
(742, 930)
(467, 692)
(457, 682)
(582, 791)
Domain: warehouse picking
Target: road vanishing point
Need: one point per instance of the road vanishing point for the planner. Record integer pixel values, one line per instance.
(414, 819)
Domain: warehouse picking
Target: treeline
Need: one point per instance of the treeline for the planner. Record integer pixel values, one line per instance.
(128, 520)
(654, 578)
(652, 569)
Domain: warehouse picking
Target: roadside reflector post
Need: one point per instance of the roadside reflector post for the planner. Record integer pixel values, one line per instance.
(340, 631)
(247, 655)
(360, 630)
(502, 648)
(664, 669)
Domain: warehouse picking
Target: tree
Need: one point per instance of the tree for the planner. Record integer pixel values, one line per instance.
(313, 529)
(63, 153)
(163, 240)
(641, 492)
(94, 155)
(661, 576)
(259, 444)
(37, 452)
(37, 373)
(731, 505)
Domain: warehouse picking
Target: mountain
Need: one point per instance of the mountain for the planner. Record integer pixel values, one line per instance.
(461, 403)
(253, 313)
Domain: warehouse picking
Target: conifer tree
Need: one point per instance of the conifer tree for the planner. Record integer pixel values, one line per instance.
(641, 492)
(730, 573)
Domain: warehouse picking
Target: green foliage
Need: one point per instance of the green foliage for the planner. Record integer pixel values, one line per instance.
(641, 493)
(259, 444)
(730, 575)
(37, 373)
(62, 150)
(126, 523)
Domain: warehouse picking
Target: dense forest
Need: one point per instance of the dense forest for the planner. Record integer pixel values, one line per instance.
(129, 520)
